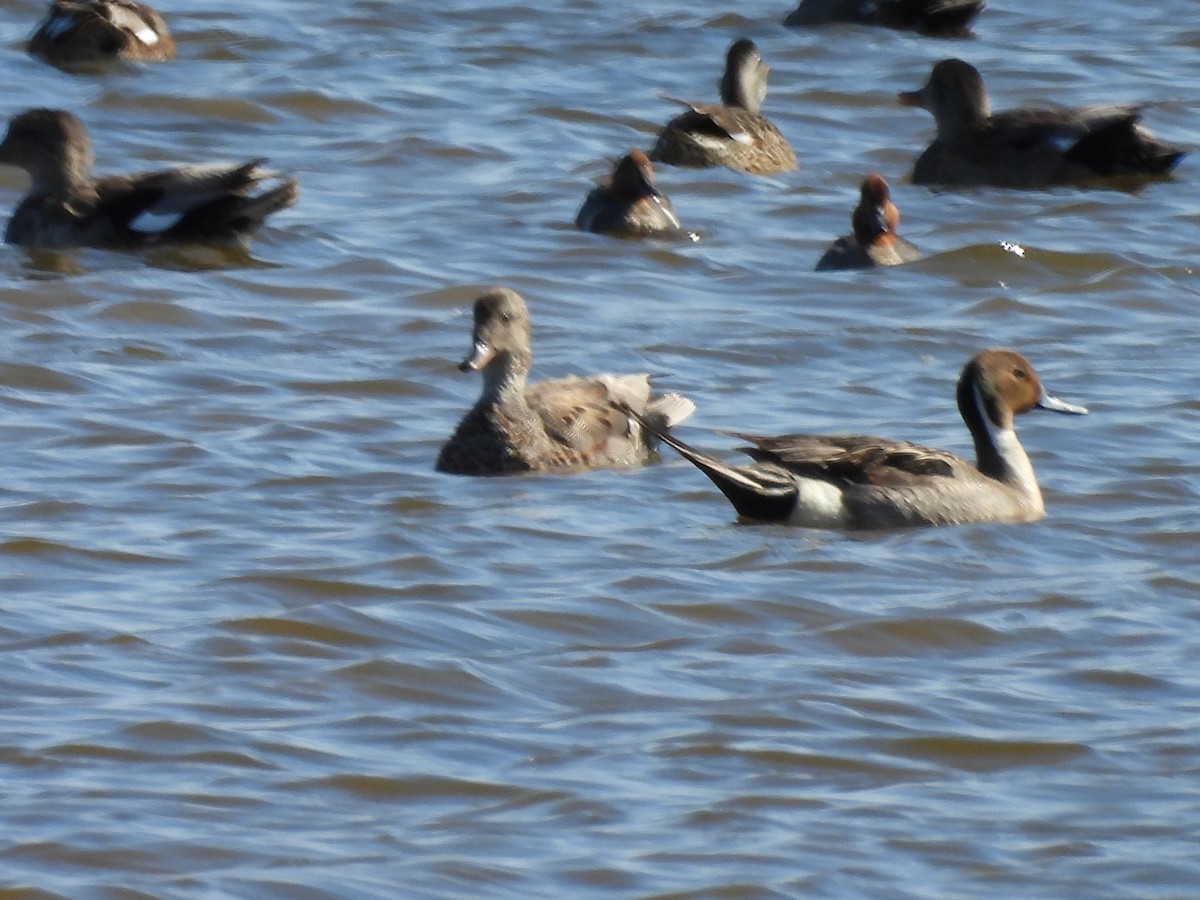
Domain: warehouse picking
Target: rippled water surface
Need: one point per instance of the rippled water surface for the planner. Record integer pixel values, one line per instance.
(254, 646)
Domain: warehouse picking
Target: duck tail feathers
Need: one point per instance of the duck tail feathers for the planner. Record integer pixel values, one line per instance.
(667, 411)
(756, 492)
(281, 196)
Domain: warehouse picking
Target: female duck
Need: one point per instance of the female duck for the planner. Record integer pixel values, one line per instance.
(78, 33)
(629, 205)
(867, 482)
(874, 241)
(1027, 148)
(67, 207)
(569, 423)
(733, 133)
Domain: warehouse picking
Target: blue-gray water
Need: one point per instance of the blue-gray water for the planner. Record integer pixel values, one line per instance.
(254, 646)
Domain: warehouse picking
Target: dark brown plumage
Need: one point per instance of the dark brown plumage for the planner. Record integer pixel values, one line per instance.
(67, 207)
(83, 33)
(944, 18)
(1027, 148)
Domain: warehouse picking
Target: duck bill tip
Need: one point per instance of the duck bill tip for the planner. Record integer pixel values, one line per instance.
(1052, 403)
(481, 354)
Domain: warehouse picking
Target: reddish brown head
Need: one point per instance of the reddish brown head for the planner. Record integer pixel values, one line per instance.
(875, 218)
(633, 178)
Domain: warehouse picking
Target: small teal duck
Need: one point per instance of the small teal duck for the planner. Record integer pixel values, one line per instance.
(66, 207)
(874, 241)
(78, 33)
(630, 205)
(866, 482)
(1027, 148)
(565, 424)
(943, 18)
(733, 133)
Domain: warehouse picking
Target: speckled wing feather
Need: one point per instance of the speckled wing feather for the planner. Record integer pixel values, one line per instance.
(582, 412)
(716, 135)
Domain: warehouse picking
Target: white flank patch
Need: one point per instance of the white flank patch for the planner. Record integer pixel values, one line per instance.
(819, 505)
(152, 221)
(147, 36)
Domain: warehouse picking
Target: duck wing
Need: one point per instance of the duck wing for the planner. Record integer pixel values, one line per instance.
(713, 119)
(929, 16)
(584, 413)
(1024, 129)
(194, 201)
(856, 459)
(1119, 145)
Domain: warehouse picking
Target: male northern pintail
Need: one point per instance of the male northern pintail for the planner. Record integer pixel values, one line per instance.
(732, 133)
(78, 33)
(629, 205)
(874, 241)
(944, 18)
(868, 482)
(566, 423)
(67, 207)
(1027, 148)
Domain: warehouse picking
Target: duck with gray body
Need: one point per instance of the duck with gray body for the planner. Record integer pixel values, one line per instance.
(1027, 148)
(732, 133)
(66, 207)
(856, 481)
(564, 424)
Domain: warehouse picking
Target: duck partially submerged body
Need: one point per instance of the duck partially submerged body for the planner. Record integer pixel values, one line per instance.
(1027, 148)
(732, 133)
(81, 33)
(856, 481)
(630, 205)
(66, 207)
(559, 425)
(943, 18)
(873, 241)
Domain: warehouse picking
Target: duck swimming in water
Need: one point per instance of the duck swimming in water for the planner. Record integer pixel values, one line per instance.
(856, 481)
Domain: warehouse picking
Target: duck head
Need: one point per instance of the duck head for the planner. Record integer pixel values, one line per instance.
(744, 83)
(500, 340)
(52, 145)
(875, 218)
(954, 94)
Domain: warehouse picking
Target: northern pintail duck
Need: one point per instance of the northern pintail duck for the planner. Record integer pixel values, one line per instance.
(629, 205)
(87, 32)
(874, 241)
(568, 423)
(732, 133)
(67, 207)
(868, 482)
(946, 18)
(1027, 148)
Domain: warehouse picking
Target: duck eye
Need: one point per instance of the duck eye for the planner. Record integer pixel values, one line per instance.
(1020, 374)
(505, 317)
